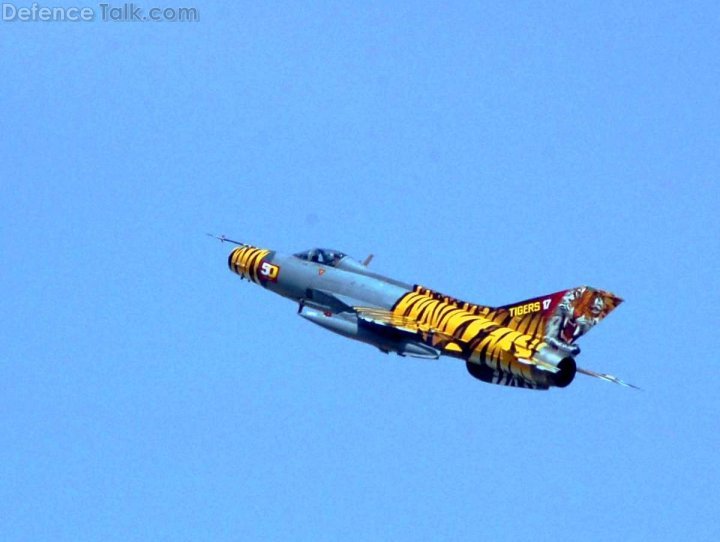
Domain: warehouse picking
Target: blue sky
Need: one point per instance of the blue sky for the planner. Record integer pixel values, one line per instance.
(491, 151)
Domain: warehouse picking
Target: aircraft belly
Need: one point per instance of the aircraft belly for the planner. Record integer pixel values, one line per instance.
(388, 340)
(345, 324)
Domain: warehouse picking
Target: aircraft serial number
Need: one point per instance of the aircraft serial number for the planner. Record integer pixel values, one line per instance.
(269, 271)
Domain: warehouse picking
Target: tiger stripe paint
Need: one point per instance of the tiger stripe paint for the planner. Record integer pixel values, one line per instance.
(529, 344)
(504, 340)
(246, 261)
(475, 333)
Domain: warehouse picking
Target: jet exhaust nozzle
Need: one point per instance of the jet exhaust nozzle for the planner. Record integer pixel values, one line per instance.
(565, 364)
(566, 374)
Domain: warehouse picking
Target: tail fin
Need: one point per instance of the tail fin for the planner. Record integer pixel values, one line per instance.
(560, 318)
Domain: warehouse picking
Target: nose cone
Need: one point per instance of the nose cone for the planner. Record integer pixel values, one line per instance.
(246, 261)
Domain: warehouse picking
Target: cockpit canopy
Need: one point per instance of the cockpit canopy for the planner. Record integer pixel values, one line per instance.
(325, 256)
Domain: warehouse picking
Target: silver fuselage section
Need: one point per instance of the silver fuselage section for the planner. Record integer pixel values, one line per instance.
(326, 296)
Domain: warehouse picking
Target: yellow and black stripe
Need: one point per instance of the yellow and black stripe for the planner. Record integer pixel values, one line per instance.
(528, 324)
(472, 332)
(246, 260)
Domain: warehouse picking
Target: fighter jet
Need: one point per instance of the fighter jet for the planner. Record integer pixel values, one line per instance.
(529, 344)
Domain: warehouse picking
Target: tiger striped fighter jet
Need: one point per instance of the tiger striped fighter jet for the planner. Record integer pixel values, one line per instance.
(528, 344)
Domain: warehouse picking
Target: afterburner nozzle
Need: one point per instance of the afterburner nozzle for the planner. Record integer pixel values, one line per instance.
(560, 368)
(566, 374)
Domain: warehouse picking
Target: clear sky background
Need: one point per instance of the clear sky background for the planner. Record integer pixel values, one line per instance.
(491, 151)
